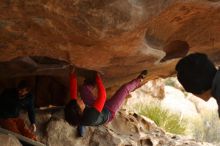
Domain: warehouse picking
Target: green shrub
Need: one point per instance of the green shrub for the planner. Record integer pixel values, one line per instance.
(170, 82)
(170, 122)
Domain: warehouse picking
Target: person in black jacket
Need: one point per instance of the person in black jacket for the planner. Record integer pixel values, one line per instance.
(12, 101)
(199, 76)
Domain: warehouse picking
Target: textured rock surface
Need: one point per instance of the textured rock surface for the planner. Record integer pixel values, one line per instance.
(6, 140)
(118, 38)
(125, 130)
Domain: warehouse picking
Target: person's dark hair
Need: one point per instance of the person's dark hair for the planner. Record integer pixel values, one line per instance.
(91, 78)
(196, 72)
(72, 115)
(23, 84)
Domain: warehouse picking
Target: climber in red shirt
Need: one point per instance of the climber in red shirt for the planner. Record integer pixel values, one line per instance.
(92, 111)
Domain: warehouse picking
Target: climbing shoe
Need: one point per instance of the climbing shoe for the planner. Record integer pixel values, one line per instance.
(143, 74)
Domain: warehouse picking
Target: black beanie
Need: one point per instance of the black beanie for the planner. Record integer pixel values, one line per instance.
(196, 72)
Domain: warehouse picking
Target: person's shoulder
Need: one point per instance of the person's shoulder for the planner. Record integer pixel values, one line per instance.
(216, 85)
(30, 96)
(217, 77)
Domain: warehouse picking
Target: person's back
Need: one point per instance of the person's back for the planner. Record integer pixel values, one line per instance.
(216, 85)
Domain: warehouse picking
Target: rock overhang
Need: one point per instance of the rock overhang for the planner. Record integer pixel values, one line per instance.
(118, 38)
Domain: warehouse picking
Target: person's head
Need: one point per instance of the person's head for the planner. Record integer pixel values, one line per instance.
(196, 72)
(91, 78)
(23, 88)
(73, 111)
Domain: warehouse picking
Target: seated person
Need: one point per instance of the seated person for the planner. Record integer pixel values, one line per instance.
(12, 101)
(92, 111)
(199, 76)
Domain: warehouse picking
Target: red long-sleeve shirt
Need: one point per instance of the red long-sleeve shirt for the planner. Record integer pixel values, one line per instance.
(100, 101)
(73, 86)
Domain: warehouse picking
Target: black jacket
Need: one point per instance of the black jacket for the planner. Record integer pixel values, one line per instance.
(90, 117)
(10, 105)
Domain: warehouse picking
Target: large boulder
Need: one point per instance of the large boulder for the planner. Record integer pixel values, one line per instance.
(9, 140)
(118, 38)
(126, 129)
(176, 101)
